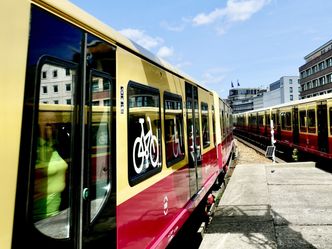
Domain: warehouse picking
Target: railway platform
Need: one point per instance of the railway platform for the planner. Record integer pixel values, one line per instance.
(284, 205)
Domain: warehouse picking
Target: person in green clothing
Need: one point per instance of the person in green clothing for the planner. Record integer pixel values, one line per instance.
(50, 170)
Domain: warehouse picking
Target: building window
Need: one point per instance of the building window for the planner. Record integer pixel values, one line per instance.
(314, 83)
(44, 75)
(56, 102)
(290, 81)
(44, 89)
(95, 86)
(329, 62)
(68, 101)
(55, 88)
(55, 73)
(328, 78)
(314, 69)
(67, 71)
(291, 89)
(107, 102)
(106, 84)
(68, 87)
(291, 97)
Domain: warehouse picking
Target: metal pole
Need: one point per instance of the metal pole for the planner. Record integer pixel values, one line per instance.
(272, 140)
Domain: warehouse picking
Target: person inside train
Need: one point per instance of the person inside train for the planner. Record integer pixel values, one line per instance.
(50, 170)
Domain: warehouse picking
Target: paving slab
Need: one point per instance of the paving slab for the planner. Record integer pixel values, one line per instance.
(273, 206)
(295, 236)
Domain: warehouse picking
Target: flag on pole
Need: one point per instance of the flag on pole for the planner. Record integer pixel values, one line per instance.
(238, 84)
(232, 84)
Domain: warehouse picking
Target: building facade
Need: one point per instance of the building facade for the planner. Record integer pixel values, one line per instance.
(282, 91)
(316, 73)
(242, 99)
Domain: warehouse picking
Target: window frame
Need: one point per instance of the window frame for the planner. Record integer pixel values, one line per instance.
(66, 64)
(174, 96)
(208, 142)
(140, 178)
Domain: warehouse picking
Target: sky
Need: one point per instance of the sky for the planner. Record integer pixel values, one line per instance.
(250, 42)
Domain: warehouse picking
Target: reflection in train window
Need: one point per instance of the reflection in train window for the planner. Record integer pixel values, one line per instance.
(311, 120)
(267, 120)
(51, 212)
(330, 124)
(260, 120)
(213, 126)
(173, 128)
(286, 121)
(205, 124)
(99, 142)
(303, 121)
(144, 132)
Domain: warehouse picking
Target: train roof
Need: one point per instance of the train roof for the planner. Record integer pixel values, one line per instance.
(79, 17)
(292, 103)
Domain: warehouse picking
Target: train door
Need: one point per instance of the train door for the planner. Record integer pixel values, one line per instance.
(277, 125)
(322, 126)
(66, 195)
(193, 131)
(295, 125)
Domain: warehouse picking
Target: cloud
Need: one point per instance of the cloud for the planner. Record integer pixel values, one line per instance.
(141, 38)
(214, 76)
(235, 11)
(174, 27)
(164, 52)
(240, 10)
(203, 18)
(183, 64)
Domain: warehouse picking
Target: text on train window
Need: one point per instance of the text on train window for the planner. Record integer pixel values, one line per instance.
(174, 139)
(144, 132)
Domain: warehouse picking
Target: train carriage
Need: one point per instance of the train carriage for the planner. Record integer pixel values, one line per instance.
(304, 125)
(102, 144)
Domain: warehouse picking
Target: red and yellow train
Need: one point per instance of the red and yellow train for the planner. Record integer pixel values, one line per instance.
(302, 129)
(102, 143)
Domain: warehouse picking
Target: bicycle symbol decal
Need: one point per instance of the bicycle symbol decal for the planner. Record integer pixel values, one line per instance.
(145, 149)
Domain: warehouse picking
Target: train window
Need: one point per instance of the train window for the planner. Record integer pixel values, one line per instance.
(330, 114)
(144, 147)
(303, 121)
(261, 120)
(99, 143)
(286, 121)
(51, 212)
(274, 119)
(267, 120)
(174, 138)
(205, 124)
(213, 126)
(311, 120)
(222, 121)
